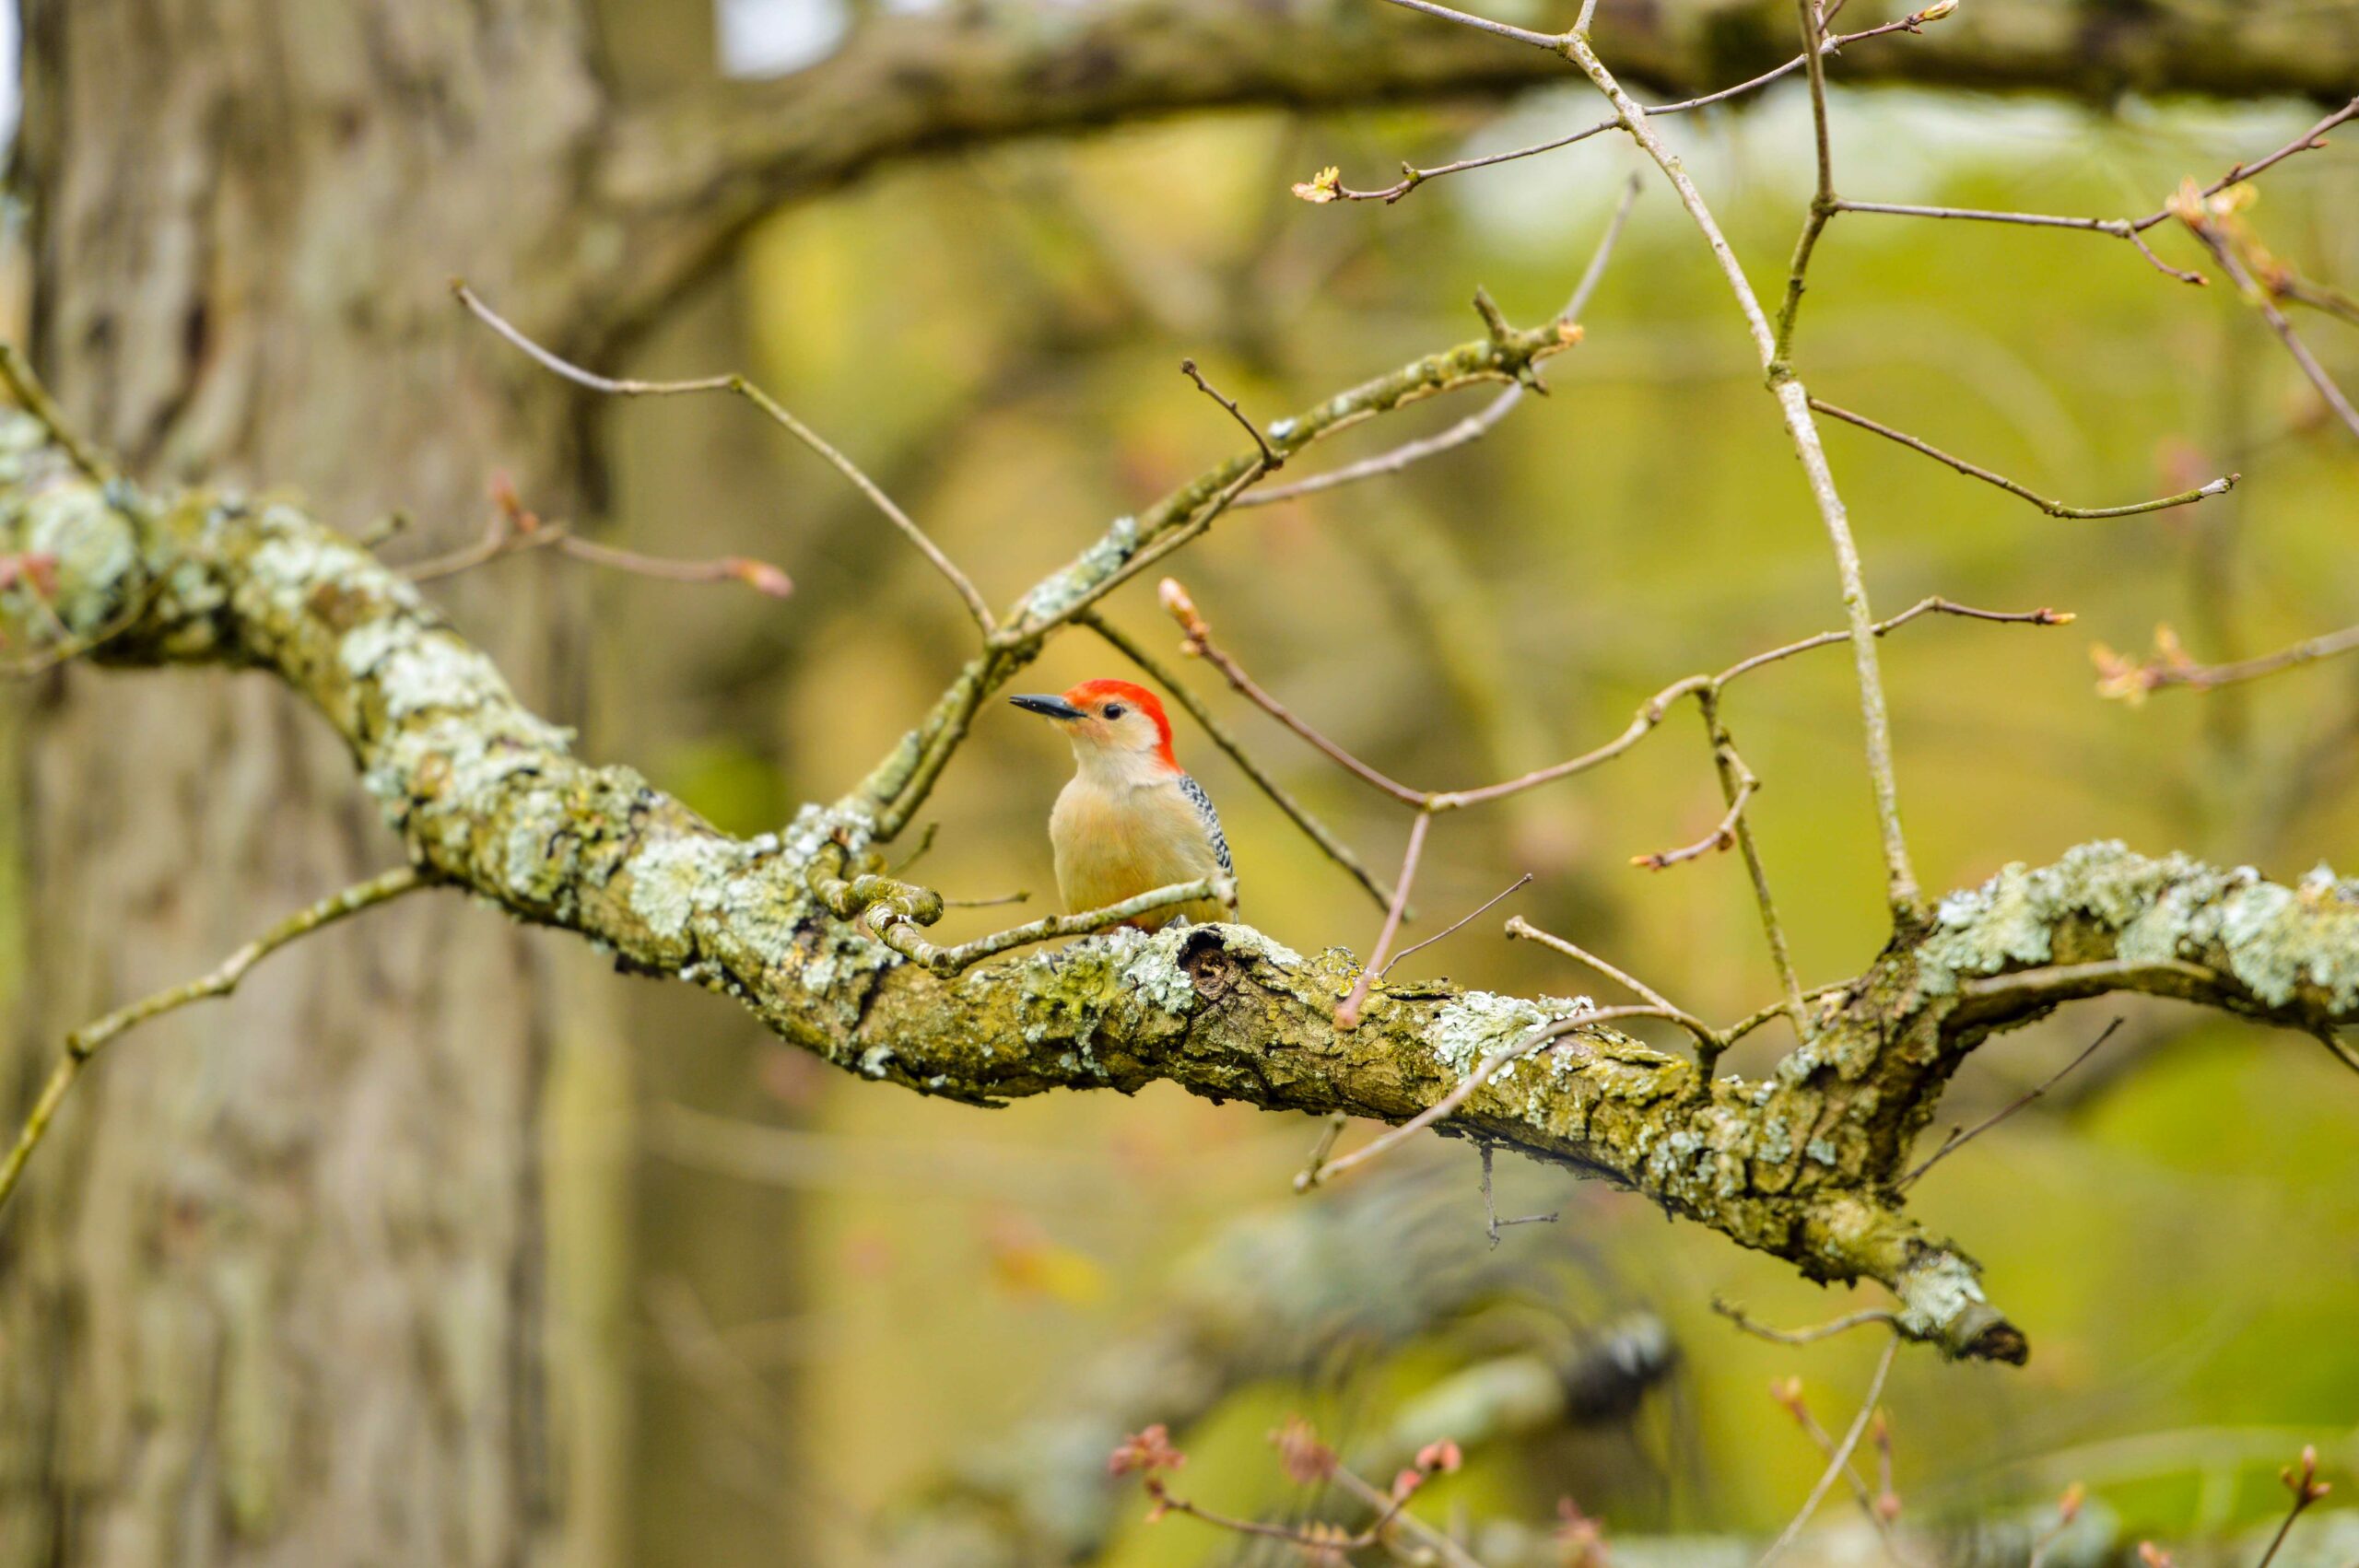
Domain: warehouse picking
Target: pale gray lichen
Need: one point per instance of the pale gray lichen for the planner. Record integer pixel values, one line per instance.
(95, 548)
(1152, 973)
(2275, 940)
(1475, 1024)
(436, 671)
(674, 879)
(1935, 1293)
(1060, 591)
(366, 645)
(1248, 941)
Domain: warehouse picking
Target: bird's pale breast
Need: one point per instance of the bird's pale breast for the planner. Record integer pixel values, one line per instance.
(1116, 844)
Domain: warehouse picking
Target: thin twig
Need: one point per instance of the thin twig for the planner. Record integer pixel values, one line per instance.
(1789, 1394)
(2219, 487)
(1823, 206)
(2207, 233)
(1518, 928)
(1005, 899)
(741, 386)
(1959, 1137)
(1724, 832)
(502, 539)
(1318, 832)
(1732, 778)
(1549, 41)
(1900, 878)
(1200, 645)
(2130, 229)
(1842, 1455)
(2168, 667)
(899, 930)
(85, 1043)
(1491, 1224)
(2120, 228)
(34, 399)
(1737, 1315)
(1477, 425)
(1271, 461)
(2300, 1478)
(1412, 177)
(1459, 924)
(1347, 1016)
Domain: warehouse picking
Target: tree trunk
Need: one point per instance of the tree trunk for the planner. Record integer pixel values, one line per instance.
(278, 1296)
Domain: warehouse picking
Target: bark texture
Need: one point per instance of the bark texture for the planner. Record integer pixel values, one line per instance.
(1803, 1163)
(287, 1308)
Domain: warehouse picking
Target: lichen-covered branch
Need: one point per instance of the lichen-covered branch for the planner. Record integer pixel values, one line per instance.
(490, 797)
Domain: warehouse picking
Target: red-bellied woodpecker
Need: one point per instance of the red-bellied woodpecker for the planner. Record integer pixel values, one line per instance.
(1131, 821)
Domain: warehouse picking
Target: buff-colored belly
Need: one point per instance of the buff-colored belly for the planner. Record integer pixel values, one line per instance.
(1108, 850)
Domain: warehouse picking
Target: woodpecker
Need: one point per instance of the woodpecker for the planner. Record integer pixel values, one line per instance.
(1132, 820)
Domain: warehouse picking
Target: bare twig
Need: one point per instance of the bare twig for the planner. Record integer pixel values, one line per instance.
(741, 386)
(1823, 206)
(2219, 487)
(1019, 896)
(85, 1043)
(1410, 178)
(1724, 832)
(1200, 645)
(1549, 41)
(1733, 777)
(1900, 878)
(2189, 209)
(1347, 1016)
(1459, 924)
(1840, 1458)
(1271, 461)
(514, 530)
(1737, 1315)
(1491, 1224)
(2130, 229)
(897, 929)
(1706, 1037)
(33, 397)
(2169, 666)
(1477, 425)
(1961, 1136)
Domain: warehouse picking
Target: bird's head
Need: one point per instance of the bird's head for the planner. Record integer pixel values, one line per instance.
(1113, 724)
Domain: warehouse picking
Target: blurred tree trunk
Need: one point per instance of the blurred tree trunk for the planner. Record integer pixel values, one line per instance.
(278, 1295)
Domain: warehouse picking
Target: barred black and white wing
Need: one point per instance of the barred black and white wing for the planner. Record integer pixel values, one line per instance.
(1211, 820)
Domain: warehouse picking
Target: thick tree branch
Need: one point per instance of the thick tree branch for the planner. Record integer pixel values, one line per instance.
(679, 179)
(1801, 1163)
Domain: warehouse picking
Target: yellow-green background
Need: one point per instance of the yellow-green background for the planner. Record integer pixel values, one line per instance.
(998, 337)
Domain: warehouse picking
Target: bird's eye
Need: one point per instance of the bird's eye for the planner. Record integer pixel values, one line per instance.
(1114, 711)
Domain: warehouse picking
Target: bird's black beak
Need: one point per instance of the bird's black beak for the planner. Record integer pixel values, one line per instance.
(1048, 706)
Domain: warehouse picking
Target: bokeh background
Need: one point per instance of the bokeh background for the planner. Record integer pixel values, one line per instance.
(998, 337)
(832, 1300)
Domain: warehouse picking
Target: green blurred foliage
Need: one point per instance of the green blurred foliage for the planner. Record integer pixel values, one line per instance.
(998, 336)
